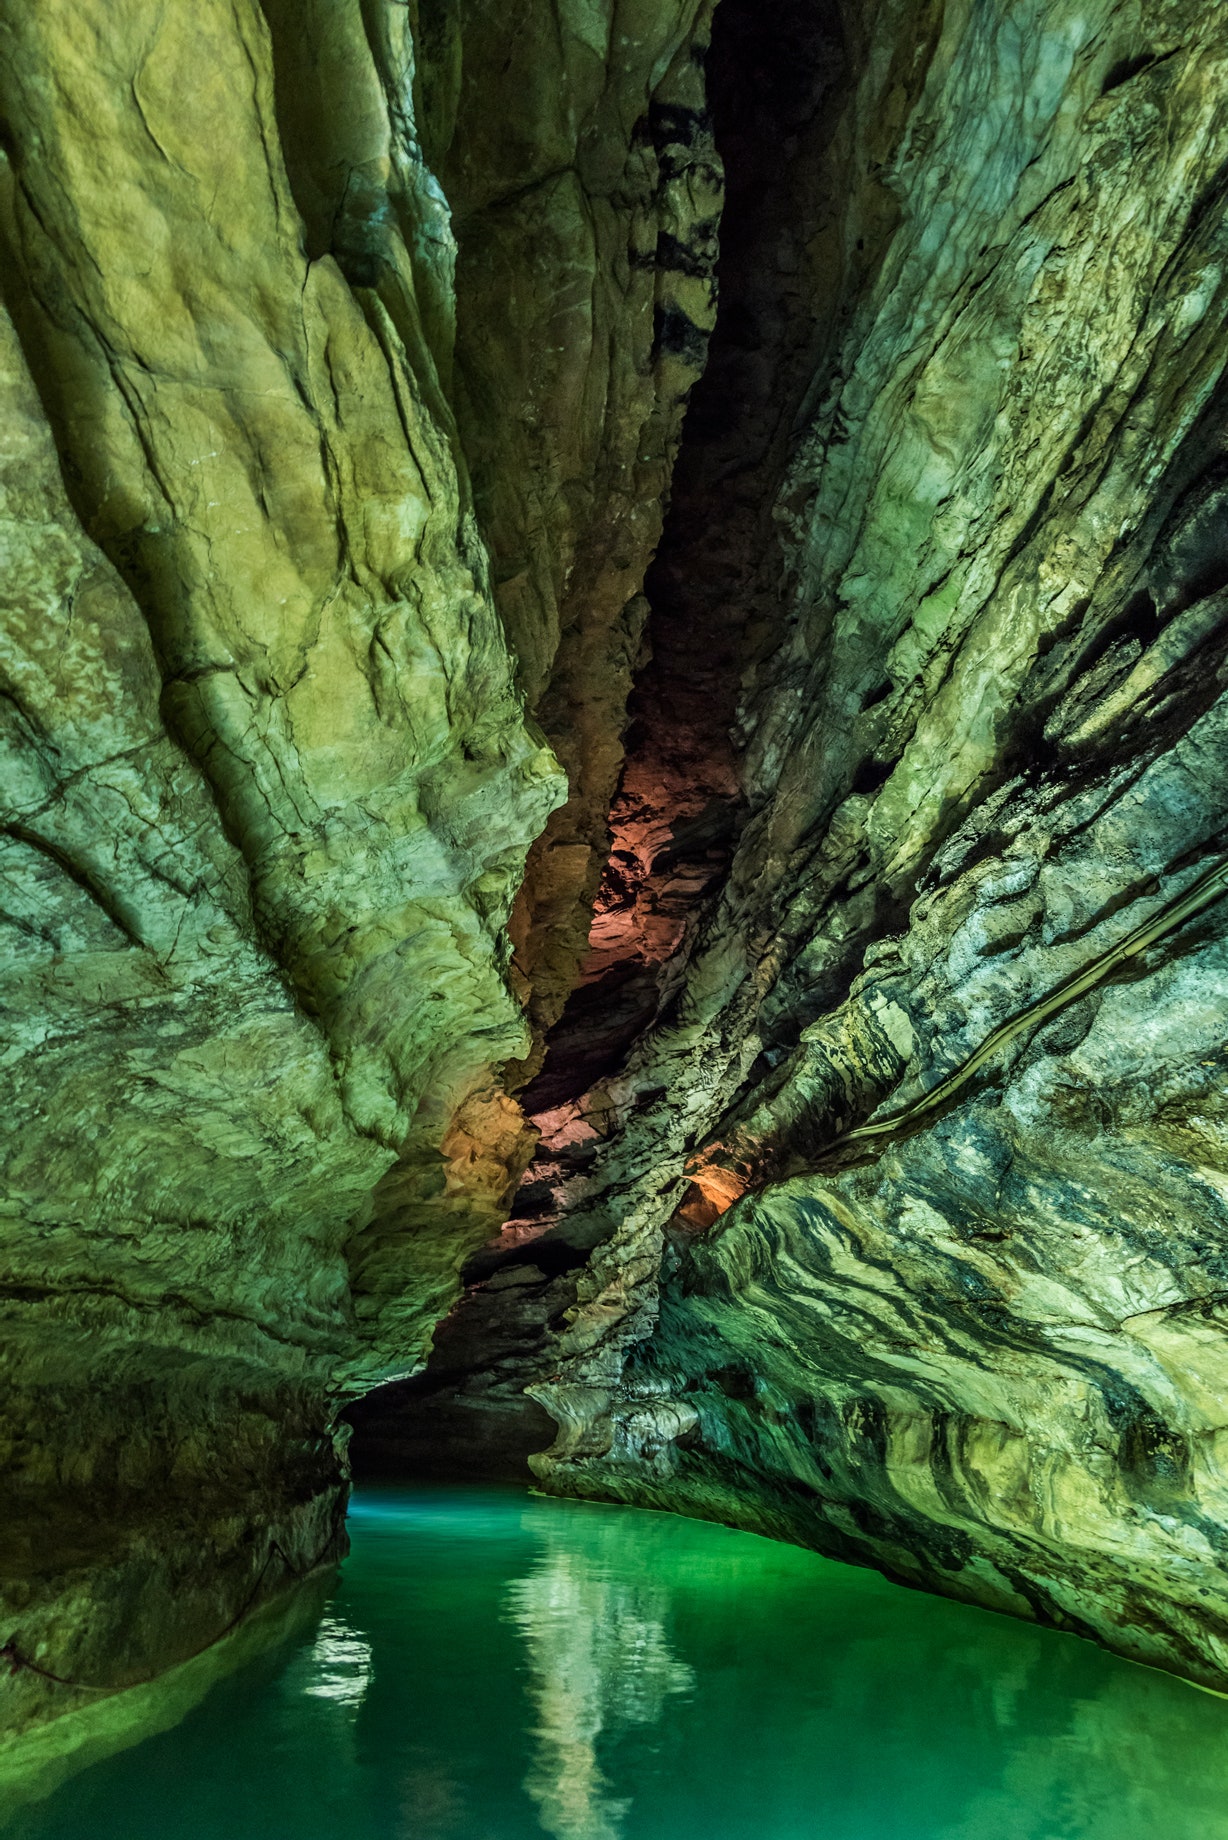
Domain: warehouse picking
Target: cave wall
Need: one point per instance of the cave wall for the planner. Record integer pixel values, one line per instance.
(585, 207)
(910, 1205)
(769, 862)
(281, 414)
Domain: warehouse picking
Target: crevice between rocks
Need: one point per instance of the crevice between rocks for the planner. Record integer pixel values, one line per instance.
(716, 608)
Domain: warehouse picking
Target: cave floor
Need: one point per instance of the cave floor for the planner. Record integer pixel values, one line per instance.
(493, 1664)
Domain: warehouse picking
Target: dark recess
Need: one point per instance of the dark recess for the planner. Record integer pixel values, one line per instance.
(775, 85)
(714, 584)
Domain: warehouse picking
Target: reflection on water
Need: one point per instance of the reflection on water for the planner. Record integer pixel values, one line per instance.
(598, 1660)
(496, 1667)
(339, 1666)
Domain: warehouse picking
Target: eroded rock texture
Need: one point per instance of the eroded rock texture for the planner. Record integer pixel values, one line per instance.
(271, 775)
(982, 1346)
(786, 887)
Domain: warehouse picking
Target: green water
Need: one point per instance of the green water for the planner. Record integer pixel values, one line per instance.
(494, 1667)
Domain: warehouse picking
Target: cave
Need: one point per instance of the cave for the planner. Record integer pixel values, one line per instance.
(615, 918)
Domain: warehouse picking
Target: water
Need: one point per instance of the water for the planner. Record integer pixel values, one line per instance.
(496, 1667)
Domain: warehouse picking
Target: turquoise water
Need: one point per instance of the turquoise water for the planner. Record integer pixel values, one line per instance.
(493, 1666)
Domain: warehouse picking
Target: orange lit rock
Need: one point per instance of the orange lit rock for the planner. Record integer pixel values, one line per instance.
(712, 1193)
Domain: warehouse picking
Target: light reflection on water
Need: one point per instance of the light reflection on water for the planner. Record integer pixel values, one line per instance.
(339, 1665)
(497, 1667)
(598, 1661)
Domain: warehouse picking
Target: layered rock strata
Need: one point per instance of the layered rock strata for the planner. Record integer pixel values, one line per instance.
(838, 1028)
(585, 202)
(977, 900)
(279, 408)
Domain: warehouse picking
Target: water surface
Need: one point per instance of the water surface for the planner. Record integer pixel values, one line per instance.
(494, 1666)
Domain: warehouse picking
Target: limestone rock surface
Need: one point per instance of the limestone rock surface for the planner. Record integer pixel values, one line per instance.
(614, 708)
(271, 769)
(909, 1207)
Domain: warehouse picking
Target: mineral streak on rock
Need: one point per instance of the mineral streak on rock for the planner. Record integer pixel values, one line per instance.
(984, 768)
(812, 812)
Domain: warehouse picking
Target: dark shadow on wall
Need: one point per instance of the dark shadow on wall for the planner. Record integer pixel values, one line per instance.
(466, 1416)
(775, 91)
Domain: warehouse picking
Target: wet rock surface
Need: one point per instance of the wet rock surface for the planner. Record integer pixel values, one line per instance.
(974, 921)
(778, 875)
(272, 777)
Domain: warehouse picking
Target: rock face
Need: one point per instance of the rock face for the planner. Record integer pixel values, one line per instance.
(977, 896)
(791, 897)
(271, 778)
